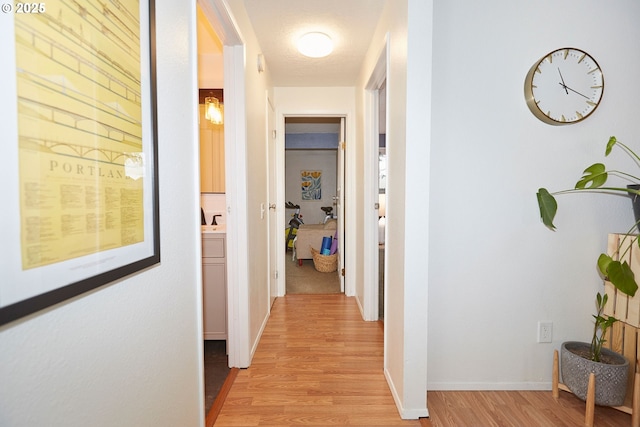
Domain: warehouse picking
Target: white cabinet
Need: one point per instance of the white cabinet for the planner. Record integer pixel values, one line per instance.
(214, 280)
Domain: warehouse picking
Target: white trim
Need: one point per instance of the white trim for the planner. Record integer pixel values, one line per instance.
(349, 191)
(370, 241)
(360, 307)
(405, 413)
(380, 71)
(197, 263)
(275, 278)
(219, 15)
(463, 386)
(280, 203)
(416, 209)
(340, 202)
(257, 342)
(236, 190)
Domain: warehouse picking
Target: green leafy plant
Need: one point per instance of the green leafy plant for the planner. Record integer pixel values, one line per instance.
(602, 323)
(593, 180)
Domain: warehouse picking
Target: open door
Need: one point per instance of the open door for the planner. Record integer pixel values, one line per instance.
(340, 203)
(272, 151)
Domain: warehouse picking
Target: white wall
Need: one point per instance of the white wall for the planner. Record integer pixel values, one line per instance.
(214, 204)
(494, 270)
(310, 160)
(206, 78)
(130, 353)
(250, 284)
(405, 30)
(210, 58)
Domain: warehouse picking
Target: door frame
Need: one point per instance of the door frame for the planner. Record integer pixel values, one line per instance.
(221, 19)
(371, 250)
(347, 282)
(341, 200)
(272, 208)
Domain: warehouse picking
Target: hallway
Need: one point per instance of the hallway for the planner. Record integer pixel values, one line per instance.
(317, 364)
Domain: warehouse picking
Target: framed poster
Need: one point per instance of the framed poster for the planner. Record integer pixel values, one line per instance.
(80, 175)
(311, 185)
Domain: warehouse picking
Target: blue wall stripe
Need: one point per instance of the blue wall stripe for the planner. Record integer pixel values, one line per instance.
(311, 141)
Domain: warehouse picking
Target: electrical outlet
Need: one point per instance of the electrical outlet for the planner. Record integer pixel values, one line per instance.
(545, 331)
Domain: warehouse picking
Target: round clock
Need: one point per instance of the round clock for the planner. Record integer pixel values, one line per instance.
(563, 87)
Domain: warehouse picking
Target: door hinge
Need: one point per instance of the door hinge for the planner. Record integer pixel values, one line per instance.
(343, 145)
(342, 272)
(275, 274)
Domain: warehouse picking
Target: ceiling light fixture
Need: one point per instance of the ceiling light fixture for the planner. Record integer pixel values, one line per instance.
(315, 45)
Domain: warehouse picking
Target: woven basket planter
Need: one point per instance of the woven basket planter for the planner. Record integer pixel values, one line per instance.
(324, 263)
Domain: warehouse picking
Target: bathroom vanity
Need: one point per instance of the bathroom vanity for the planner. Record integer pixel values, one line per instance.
(214, 281)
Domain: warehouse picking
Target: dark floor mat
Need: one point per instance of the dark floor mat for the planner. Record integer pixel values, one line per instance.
(216, 369)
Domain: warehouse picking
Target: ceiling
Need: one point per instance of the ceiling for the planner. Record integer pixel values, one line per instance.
(279, 23)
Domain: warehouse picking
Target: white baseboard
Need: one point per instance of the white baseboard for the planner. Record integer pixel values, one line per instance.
(254, 347)
(490, 386)
(405, 413)
(360, 307)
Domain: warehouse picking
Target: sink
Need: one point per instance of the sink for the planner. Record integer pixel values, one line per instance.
(220, 228)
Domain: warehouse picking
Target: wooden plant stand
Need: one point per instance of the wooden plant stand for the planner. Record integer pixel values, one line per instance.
(630, 406)
(623, 337)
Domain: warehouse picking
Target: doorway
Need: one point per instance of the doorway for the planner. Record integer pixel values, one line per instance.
(382, 194)
(292, 102)
(375, 189)
(212, 202)
(311, 190)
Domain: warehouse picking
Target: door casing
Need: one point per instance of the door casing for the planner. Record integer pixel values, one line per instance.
(346, 281)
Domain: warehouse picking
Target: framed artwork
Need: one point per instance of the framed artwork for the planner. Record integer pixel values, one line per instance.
(80, 181)
(311, 185)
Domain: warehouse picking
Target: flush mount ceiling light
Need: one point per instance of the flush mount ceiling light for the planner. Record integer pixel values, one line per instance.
(315, 45)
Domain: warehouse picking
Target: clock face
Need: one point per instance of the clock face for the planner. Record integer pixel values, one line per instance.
(564, 87)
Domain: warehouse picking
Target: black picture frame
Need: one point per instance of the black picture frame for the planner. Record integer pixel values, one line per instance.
(82, 101)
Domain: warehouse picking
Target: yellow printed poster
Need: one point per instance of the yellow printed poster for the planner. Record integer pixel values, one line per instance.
(79, 130)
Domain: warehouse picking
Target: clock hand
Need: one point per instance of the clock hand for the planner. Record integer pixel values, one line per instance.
(562, 84)
(574, 91)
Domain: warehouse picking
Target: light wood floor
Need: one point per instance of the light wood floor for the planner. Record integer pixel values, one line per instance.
(515, 409)
(319, 364)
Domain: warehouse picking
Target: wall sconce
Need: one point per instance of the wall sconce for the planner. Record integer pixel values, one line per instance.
(213, 110)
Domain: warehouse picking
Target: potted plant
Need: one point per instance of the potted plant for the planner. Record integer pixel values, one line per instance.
(593, 180)
(611, 369)
(578, 360)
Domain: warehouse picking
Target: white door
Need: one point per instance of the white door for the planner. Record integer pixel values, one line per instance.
(340, 203)
(272, 203)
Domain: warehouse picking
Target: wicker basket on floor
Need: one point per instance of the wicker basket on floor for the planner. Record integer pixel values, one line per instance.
(324, 263)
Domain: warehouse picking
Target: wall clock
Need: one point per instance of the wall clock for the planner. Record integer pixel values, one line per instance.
(563, 87)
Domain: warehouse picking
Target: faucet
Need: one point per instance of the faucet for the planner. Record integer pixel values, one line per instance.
(214, 222)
